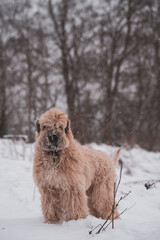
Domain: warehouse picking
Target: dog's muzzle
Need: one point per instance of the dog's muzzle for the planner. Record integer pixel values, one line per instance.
(53, 139)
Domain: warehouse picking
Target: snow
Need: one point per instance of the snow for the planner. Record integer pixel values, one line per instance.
(20, 211)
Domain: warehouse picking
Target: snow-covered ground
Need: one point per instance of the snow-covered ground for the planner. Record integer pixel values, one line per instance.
(20, 212)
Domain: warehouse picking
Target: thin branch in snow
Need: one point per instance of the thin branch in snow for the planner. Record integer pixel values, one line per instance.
(120, 175)
(125, 210)
(148, 185)
(90, 232)
(34, 192)
(115, 205)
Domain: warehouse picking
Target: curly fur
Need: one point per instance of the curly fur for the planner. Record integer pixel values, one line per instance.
(77, 182)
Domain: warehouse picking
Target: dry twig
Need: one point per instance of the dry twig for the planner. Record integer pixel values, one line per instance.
(34, 192)
(113, 207)
(148, 185)
(125, 210)
(104, 226)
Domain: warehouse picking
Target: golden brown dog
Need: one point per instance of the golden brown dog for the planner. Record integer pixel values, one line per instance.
(73, 180)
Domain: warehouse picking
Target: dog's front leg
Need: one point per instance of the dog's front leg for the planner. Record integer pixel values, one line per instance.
(74, 202)
(50, 206)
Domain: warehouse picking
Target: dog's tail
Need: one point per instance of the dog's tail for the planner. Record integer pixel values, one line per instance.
(116, 156)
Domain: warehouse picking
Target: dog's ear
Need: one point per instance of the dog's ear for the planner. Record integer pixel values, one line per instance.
(67, 127)
(37, 126)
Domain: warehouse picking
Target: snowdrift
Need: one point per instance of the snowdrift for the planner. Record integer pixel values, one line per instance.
(20, 211)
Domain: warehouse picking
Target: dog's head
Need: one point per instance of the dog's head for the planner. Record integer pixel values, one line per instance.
(53, 131)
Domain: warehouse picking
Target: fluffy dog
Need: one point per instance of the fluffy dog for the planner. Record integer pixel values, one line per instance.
(73, 180)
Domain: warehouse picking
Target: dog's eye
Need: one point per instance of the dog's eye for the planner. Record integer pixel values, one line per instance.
(44, 127)
(67, 127)
(37, 126)
(60, 127)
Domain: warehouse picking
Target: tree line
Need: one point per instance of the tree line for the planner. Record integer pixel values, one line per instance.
(98, 61)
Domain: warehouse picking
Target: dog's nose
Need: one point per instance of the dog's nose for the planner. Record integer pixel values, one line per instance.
(53, 138)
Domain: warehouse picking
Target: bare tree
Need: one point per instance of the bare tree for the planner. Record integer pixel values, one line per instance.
(71, 40)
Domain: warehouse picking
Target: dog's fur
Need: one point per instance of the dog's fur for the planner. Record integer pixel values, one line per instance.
(73, 180)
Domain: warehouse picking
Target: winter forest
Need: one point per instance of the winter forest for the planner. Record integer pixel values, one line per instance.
(96, 60)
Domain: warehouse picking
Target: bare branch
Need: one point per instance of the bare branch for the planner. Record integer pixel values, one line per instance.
(114, 206)
(148, 185)
(125, 210)
(120, 175)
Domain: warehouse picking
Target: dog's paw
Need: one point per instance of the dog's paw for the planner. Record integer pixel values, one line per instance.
(50, 221)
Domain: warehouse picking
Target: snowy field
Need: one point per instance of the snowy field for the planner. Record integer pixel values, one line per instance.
(20, 211)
